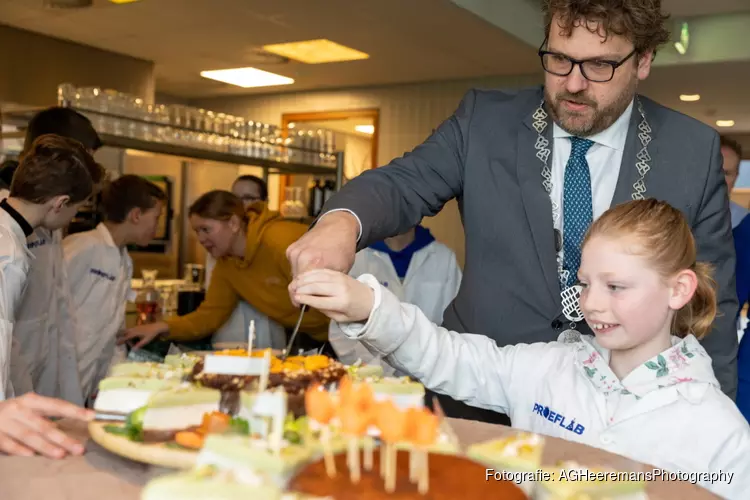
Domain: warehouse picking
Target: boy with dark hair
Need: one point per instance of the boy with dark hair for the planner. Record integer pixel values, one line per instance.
(59, 121)
(43, 328)
(54, 179)
(99, 271)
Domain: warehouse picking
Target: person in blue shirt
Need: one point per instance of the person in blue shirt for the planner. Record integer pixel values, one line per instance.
(732, 153)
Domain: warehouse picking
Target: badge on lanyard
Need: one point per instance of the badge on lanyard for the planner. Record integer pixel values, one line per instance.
(571, 305)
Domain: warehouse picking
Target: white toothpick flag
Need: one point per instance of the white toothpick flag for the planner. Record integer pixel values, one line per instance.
(263, 383)
(250, 337)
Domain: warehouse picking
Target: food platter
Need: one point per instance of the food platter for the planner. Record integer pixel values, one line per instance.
(253, 444)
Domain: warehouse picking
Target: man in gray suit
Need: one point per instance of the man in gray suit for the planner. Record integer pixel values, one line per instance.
(532, 168)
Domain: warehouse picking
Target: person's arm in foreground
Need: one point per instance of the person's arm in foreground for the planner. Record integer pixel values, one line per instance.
(469, 368)
(26, 430)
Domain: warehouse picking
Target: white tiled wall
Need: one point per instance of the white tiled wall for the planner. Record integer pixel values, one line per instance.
(408, 113)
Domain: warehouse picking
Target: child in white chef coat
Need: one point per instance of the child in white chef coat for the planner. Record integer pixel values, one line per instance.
(417, 269)
(55, 178)
(642, 387)
(99, 270)
(44, 335)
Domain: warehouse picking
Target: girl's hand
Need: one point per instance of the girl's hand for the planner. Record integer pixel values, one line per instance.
(144, 333)
(25, 430)
(337, 295)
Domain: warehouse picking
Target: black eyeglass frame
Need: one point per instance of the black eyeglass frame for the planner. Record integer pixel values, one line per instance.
(579, 63)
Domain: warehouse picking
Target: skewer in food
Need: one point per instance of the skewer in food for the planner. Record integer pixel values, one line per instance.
(321, 409)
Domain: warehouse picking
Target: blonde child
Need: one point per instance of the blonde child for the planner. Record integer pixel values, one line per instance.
(642, 387)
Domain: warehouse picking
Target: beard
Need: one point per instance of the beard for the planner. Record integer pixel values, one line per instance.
(592, 120)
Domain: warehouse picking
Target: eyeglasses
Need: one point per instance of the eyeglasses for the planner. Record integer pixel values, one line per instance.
(594, 70)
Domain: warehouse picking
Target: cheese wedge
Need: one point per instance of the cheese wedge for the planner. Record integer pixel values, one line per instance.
(180, 407)
(521, 452)
(127, 394)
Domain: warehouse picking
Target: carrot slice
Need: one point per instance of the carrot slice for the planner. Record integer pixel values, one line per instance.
(189, 439)
(214, 423)
(353, 422)
(426, 428)
(319, 405)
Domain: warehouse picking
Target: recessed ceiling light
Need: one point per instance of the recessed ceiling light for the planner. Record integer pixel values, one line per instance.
(247, 77)
(690, 97)
(123, 1)
(725, 123)
(365, 129)
(315, 51)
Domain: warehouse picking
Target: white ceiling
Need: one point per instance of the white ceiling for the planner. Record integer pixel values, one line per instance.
(688, 8)
(723, 89)
(408, 40)
(184, 37)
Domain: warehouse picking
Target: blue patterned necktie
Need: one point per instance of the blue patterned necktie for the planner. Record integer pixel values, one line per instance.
(577, 206)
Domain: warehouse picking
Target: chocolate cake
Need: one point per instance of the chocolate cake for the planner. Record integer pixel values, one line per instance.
(295, 382)
(451, 477)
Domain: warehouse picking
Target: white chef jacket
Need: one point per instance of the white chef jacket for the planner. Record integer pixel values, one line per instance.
(669, 412)
(47, 362)
(99, 273)
(15, 260)
(268, 333)
(431, 283)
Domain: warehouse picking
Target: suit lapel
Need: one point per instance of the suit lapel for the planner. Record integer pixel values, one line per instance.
(630, 156)
(536, 202)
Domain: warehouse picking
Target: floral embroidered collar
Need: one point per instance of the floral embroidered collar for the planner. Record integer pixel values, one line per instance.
(686, 361)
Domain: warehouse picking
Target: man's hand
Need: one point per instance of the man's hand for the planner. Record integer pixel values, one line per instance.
(24, 430)
(337, 295)
(330, 244)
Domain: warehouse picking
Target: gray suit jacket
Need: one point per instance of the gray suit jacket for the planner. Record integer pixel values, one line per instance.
(484, 157)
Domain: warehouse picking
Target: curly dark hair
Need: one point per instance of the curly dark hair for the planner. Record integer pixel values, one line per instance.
(730, 143)
(640, 21)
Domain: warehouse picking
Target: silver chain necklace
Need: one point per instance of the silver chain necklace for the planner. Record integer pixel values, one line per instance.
(571, 295)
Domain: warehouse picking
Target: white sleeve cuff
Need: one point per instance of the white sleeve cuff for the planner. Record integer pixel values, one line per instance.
(358, 329)
(359, 222)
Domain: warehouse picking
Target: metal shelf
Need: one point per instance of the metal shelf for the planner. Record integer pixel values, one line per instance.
(21, 118)
(117, 141)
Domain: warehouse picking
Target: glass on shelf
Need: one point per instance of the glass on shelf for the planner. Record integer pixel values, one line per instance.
(179, 120)
(67, 95)
(117, 113)
(293, 206)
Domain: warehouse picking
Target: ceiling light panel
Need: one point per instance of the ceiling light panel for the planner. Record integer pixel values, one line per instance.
(247, 77)
(316, 51)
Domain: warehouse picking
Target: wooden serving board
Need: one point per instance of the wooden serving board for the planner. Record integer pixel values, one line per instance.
(149, 453)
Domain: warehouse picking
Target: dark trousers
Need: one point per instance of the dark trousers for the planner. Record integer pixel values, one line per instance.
(457, 409)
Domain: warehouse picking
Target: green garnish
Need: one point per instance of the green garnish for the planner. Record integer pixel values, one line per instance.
(133, 428)
(295, 429)
(293, 437)
(239, 425)
(126, 431)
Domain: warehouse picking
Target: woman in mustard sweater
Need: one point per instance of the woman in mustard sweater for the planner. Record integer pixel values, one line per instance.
(250, 248)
